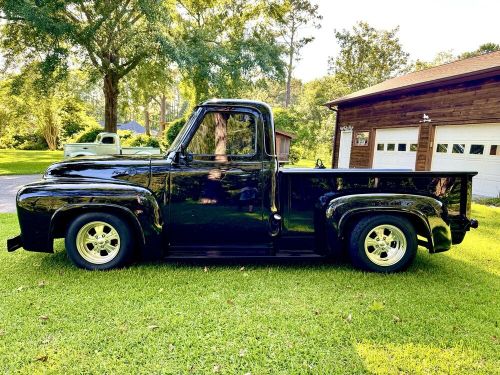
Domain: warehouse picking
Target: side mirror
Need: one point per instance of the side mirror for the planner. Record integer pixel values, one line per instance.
(184, 154)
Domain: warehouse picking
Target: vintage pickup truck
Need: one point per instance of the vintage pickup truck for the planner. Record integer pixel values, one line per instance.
(219, 192)
(105, 144)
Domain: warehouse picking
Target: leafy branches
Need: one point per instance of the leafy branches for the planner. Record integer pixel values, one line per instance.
(368, 56)
(112, 37)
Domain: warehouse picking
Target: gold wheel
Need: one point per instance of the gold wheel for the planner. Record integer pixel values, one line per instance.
(98, 242)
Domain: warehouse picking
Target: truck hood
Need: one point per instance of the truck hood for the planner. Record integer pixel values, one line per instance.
(133, 169)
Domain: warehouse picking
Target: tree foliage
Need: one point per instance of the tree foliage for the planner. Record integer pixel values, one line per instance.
(112, 37)
(52, 114)
(482, 49)
(311, 122)
(221, 45)
(293, 17)
(446, 57)
(368, 56)
(441, 58)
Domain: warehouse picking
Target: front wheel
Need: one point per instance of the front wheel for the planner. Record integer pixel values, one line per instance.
(99, 241)
(383, 243)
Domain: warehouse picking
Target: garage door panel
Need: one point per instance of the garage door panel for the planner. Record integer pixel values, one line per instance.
(485, 137)
(395, 148)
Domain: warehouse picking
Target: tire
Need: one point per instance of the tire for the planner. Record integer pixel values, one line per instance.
(383, 243)
(112, 248)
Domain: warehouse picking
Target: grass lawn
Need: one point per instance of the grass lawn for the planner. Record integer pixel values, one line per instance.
(302, 163)
(27, 162)
(441, 316)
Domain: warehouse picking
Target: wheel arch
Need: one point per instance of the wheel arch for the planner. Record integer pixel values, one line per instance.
(421, 225)
(62, 218)
(425, 213)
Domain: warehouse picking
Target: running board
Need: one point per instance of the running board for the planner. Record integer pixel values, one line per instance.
(225, 256)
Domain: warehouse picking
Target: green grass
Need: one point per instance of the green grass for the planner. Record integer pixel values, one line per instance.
(488, 201)
(27, 162)
(441, 316)
(302, 163)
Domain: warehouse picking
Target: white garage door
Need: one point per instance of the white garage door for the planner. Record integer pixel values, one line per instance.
(395, 148)
(470, 148)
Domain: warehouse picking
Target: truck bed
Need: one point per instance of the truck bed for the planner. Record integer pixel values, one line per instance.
(300, 190)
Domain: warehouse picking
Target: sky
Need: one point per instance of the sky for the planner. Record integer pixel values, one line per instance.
(426, 27)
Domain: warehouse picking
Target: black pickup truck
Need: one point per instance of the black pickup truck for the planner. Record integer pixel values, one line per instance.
(219, 191)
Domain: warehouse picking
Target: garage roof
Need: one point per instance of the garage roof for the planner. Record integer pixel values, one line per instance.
(461, 70)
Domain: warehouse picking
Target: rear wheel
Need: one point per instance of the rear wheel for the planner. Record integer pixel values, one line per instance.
(383, 243)
(99, 241)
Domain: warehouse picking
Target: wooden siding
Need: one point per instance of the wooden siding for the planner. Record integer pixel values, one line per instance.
(472, 102)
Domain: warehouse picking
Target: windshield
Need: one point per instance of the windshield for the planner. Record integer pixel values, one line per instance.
(177, 141)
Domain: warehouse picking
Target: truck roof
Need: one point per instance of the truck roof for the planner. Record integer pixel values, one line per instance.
(261, 106)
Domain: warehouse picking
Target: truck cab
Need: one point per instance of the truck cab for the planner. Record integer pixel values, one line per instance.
(105, 144)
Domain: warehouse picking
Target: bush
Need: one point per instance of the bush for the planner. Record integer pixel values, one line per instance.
(125, 136)
(143, 140)
(174, 129)
(33, 141)
(87, 135)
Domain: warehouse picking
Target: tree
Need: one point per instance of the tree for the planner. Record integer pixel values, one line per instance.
(293, 16)
(441, 58)
(36, 105)
(368, 56)
(222, 45)
(112, 37)
(483, 49)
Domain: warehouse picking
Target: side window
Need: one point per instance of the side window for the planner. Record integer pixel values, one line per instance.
(108, 140)
(225, 133)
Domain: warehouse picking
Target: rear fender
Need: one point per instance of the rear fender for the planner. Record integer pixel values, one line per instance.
(427, 215)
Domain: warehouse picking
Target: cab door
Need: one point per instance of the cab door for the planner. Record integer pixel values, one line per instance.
(216, 198)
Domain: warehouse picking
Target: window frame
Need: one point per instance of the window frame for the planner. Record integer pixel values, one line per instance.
(354, 138)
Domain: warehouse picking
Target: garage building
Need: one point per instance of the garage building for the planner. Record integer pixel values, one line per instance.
(442, 118)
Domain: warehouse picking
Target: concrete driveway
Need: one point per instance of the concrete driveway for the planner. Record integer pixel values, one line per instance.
(9, 185)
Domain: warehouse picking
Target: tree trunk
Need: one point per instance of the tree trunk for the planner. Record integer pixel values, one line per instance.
(110, 89)
(163, 115)
(146, 120)
(289, 73)
(50, 130)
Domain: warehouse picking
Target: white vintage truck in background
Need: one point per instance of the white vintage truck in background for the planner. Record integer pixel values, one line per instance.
(105, 144)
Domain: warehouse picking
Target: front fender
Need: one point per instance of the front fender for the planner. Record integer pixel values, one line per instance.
(427, 214)
(46, 208)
